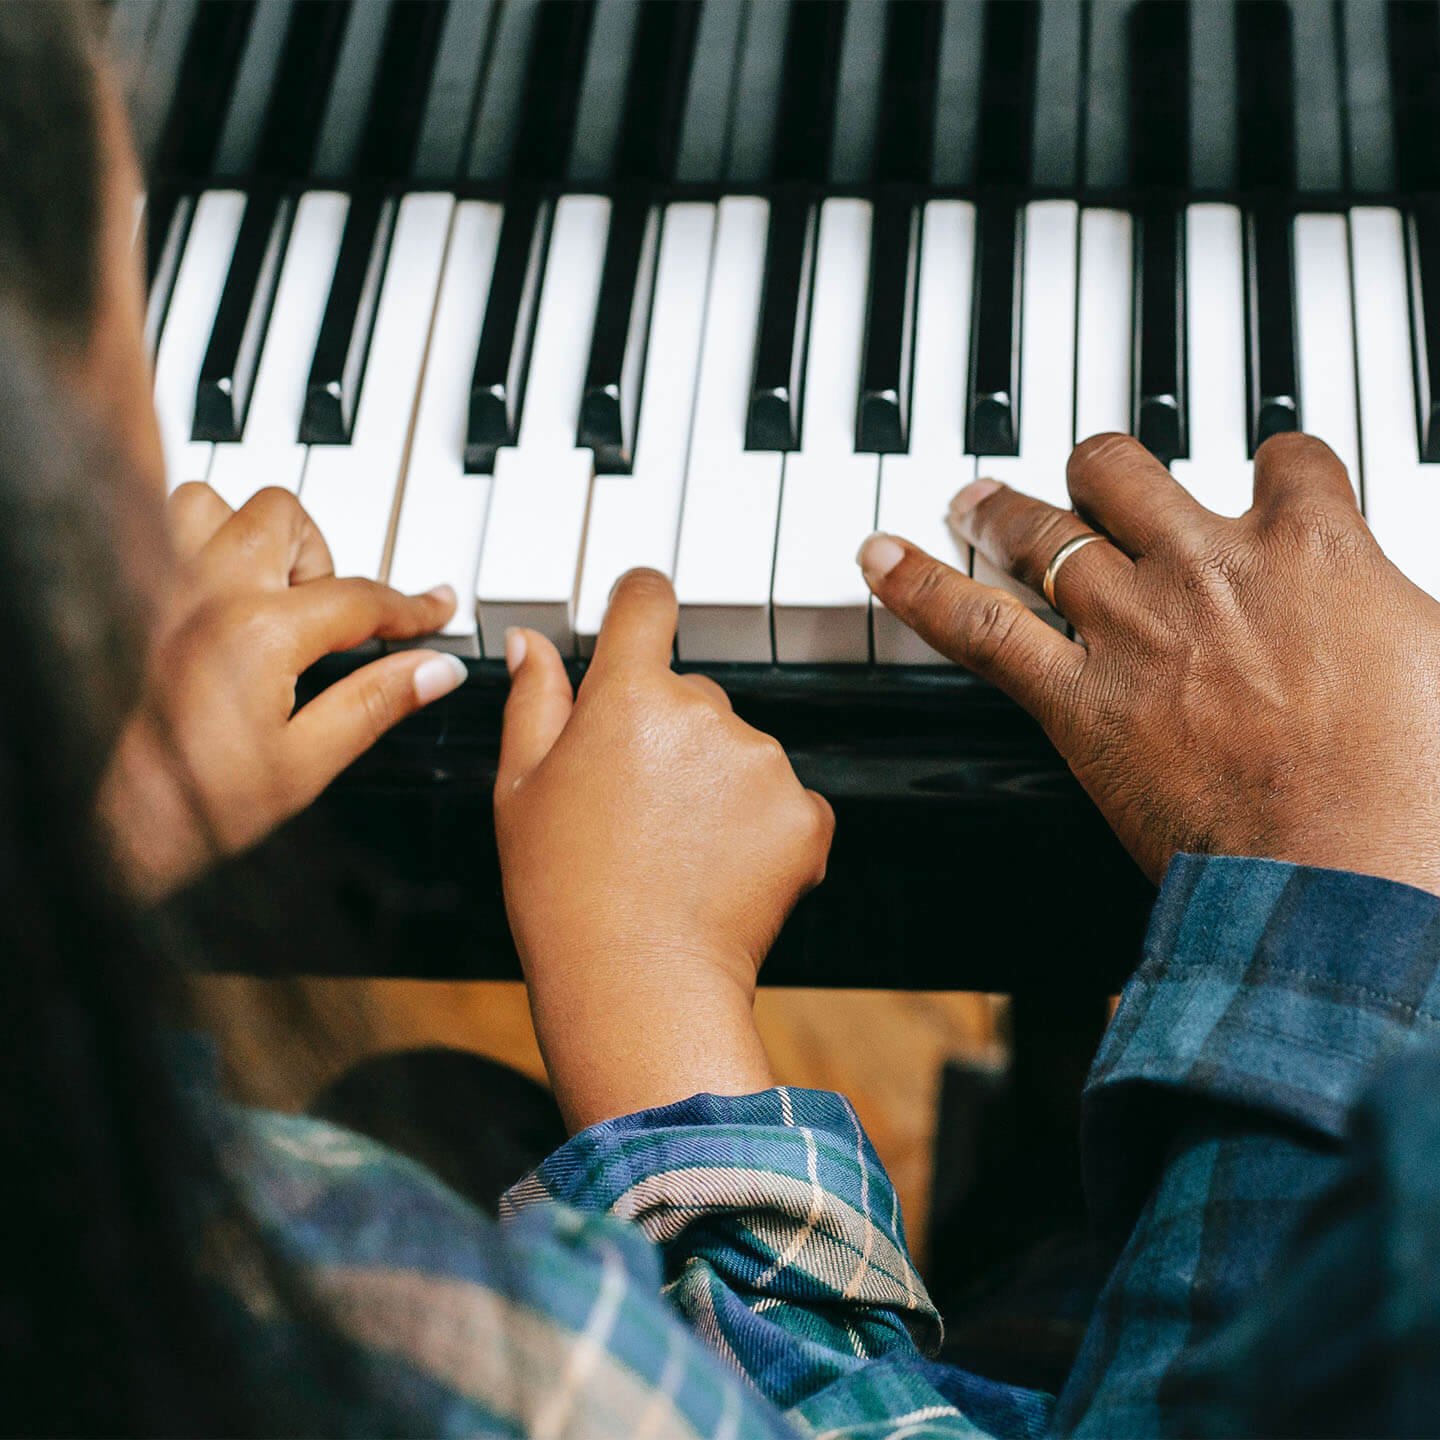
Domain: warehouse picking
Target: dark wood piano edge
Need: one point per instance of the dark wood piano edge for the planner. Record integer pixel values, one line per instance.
(966, 856)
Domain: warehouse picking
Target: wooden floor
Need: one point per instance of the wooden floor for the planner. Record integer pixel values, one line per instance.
(884, 1050)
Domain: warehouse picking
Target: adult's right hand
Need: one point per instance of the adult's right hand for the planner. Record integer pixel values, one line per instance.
(1266, 686)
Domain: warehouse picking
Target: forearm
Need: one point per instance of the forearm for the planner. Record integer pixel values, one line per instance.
(1222, 1096)
(622, 1038)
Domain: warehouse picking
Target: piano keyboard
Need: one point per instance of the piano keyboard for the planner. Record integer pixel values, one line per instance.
(519, 295)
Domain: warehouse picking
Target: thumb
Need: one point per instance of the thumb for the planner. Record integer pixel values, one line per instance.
(345, 720)
(539, 706)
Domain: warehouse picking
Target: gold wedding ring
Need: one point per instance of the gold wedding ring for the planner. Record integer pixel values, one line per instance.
(1079, 542)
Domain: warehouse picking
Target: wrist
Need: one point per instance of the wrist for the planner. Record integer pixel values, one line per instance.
(643, 1028)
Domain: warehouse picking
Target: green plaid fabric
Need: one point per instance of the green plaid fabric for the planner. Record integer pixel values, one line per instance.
(737, 1266)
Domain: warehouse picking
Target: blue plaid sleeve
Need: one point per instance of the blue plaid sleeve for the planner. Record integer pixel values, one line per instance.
(1267, 996)
(783, 1248)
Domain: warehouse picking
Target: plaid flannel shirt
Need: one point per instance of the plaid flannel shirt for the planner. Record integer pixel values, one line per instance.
(738, 1267)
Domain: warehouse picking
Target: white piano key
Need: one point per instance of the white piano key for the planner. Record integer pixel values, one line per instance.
(351, 490)
(442, 513)
(1218, 471)
(916, 488)
(828, 498)
(530, 559)
(1104, 333)
(635, 518)
(269, 451)
(1402, 496)
(726, 553)
(1047, 371)
(1324, 321)
(188, 322)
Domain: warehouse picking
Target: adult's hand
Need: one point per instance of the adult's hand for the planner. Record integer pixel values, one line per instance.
(1264, 686)
(217, 756)
(651, 845)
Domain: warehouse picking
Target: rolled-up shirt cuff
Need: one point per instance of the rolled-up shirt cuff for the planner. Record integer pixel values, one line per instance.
(1264, 986)
(781, 1191)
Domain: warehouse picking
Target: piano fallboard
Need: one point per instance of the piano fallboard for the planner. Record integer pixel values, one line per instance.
(966, 856)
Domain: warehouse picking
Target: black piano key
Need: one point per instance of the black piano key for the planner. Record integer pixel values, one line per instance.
(392, 128)
(883, 418)
(714, 77)
(1159, 320)
(777, 385)
(353, 90)
(806, 124)
(286, 148)
(1159, 70)
(459, 65)
(502, 358)
(213, 51)
(1266, 75)
(227, 373)
(1274, 388)
(1007, 96)
(655, 97)
(1414, 40)
(332, 393)
(1425, 325)
(992, 408)
(610, 402)
(858, 98)
(254, 88)
(905, 144)
(552, 90)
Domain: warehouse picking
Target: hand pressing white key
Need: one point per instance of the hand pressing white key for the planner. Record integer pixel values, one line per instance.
(216, 756)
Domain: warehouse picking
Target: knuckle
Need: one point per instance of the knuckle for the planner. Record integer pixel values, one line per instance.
(378, 708)
(1293, 448)
(991, 631)
(1098, 450)
(1049, 530)
(1325, 533)
(931, 595)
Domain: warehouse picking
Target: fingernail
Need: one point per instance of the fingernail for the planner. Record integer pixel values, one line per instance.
(445, 594)
(515, 646)
(438, 676)
(878, 556)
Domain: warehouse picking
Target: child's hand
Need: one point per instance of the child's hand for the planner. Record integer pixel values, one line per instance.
(217, 757)
(652, 845)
